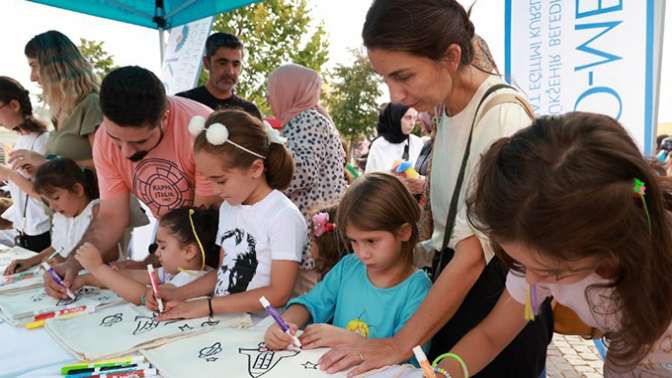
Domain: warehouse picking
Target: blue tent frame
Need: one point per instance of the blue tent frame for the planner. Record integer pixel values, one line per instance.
(155, 14)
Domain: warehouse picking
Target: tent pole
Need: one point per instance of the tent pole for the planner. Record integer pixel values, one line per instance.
(161, 44)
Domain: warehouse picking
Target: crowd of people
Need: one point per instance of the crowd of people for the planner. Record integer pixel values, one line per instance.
(496, 221)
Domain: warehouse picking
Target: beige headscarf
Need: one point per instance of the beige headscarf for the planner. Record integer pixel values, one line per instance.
(292, 89)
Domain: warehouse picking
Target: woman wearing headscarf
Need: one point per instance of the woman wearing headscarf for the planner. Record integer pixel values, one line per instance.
(294, 97)
(395, 141)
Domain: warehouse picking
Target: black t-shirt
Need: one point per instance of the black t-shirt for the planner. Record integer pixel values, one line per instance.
(202, 95)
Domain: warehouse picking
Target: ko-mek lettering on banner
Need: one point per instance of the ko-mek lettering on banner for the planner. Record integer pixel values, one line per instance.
(588, 55)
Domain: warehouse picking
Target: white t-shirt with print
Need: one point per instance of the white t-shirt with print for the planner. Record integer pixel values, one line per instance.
(383, 154)
(67, 231)
(36, 220)
(451, 139)
(252, 236)
(182, 278)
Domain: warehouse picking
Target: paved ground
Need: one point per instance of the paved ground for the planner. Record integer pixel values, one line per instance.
(573, 357)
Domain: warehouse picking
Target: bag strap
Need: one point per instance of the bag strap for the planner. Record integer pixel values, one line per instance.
(452, 210)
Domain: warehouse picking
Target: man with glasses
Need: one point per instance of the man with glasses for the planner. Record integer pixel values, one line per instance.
(223, 60)
(143, 147)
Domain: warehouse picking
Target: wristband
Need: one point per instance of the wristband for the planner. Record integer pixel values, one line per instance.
(455, 357)
(210, 314)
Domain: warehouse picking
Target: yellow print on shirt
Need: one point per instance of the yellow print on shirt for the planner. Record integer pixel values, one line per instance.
(358, 326)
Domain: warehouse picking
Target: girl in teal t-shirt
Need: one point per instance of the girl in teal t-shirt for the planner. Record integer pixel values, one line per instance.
(374, 291)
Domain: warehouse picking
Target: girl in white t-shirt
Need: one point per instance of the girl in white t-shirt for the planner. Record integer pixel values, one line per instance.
(185, 246)
(72, 193)
(261, 232)
(29, 218)
(579, 215)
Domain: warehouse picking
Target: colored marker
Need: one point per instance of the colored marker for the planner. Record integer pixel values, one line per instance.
(130, 374)
(278, 319)
(128, 360)
(40, 323)
(154, 279)
(52, 314)
(17, 277)
(424, 363)
(57, 279)
(119, 368)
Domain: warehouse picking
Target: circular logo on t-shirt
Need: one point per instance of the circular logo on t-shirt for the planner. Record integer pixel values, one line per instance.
(162, 186)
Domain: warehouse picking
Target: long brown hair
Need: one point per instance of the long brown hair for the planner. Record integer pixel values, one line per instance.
(380, 202)
(564, 187)
(66, 76)
(248, 132)
(11, 89)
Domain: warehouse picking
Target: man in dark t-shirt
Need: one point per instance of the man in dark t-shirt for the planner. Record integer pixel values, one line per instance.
(223, 60)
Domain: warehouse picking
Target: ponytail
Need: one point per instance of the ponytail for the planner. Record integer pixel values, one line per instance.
(65, 174)
(279, 167)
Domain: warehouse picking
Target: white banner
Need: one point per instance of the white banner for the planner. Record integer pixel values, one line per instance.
(599, 56)
(184, 55)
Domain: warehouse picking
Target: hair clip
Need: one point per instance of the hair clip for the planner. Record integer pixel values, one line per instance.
(639, 189)
(273, 135)
(321, 224)
(198, 241)
(216, 134)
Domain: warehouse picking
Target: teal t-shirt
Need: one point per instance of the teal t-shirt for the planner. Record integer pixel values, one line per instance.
(347, 299)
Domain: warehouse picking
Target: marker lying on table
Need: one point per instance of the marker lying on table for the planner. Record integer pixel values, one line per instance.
(128, 360)
(57, 278)
(130, 374)
(109, 371)
(154, 279)
(278, 319)
(6, 280)
(424, 363)
(65, 313)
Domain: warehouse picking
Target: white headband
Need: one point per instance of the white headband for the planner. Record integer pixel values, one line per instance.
(217, 134)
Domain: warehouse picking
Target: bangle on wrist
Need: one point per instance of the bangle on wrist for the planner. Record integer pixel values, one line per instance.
(465, 370)
(442, 372)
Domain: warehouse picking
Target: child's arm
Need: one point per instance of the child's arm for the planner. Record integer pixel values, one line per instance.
(123, 284)
(296, 317)
(19, 265)
(484, 342)
(283, 275)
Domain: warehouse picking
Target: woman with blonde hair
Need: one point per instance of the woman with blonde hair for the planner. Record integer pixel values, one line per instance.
(70, 89)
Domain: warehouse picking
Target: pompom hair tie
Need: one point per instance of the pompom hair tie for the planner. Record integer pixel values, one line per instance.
(273, 135)
(216, 134)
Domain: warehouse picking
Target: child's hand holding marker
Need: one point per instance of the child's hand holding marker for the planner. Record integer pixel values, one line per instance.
(277, 339)
(57, 279)
(89, 257)
(59, 288)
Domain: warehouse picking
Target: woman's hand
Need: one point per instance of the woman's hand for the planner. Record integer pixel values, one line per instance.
(366, 354)
(415, 186)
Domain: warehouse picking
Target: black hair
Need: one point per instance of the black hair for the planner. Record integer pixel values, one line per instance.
(133, 96)
(221, 39)
(206, 223)
(11, 89)
(65, 174)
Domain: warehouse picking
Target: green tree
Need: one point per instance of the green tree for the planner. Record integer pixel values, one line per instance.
(274, 32)
(353, 98)
(95, 53)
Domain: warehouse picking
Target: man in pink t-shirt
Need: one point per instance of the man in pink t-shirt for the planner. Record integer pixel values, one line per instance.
(143, 147)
